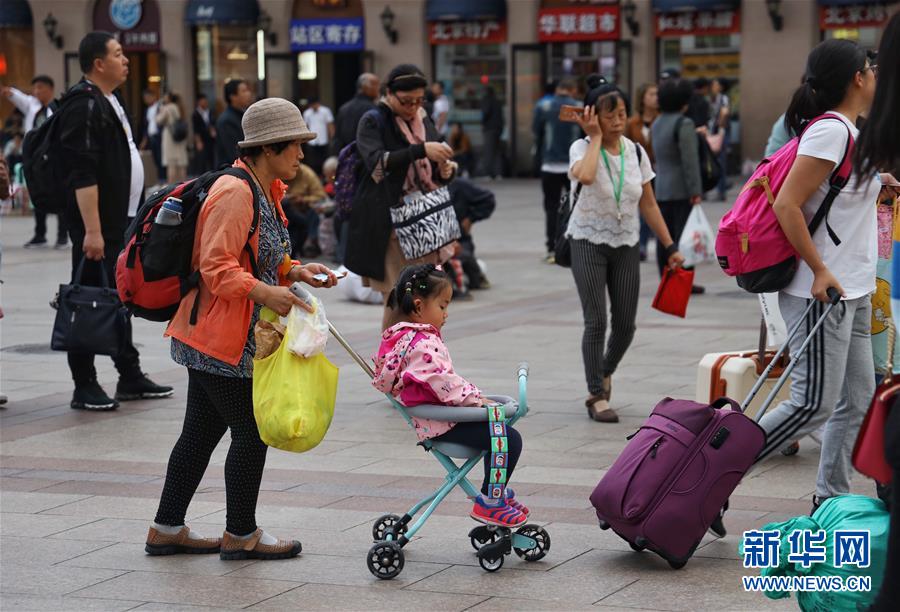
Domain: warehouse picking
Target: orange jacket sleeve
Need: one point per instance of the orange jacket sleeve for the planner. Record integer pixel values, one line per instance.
(222, 232)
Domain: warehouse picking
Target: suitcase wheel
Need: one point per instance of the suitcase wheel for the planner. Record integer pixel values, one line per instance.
(677, 564)
(635, 547)
(604, 525)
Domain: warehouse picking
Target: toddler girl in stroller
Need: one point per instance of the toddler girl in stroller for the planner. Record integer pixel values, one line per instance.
(414, 367)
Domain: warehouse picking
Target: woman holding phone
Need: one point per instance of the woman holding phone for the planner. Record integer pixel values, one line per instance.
(614, 174)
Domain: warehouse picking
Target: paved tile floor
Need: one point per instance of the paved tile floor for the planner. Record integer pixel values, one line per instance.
(78, 490)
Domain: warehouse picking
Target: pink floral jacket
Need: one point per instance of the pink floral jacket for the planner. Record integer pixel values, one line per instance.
(414, 366)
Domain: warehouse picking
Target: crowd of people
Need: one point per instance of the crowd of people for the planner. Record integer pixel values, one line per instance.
(615, 169)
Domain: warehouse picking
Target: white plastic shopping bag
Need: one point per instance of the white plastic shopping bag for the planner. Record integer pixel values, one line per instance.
(307, 331)
(698, 240)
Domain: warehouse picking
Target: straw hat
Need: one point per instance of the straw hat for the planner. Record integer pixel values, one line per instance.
(273, 120)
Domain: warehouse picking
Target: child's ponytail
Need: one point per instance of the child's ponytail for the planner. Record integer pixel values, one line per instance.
(422, 281)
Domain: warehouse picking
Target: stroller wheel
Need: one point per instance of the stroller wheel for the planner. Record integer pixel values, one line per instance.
(385, 525)
(481, 536)
(491, 565)
(540, 536)
(385, 560)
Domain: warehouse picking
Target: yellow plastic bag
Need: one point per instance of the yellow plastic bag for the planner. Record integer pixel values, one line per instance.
(293, 398)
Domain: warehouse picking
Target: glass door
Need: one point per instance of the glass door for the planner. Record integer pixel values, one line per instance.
(527, 89)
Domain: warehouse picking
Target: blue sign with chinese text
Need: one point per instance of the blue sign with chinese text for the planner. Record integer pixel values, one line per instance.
(336, 34)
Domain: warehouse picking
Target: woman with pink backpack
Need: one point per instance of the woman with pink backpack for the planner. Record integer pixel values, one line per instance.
(833, 383)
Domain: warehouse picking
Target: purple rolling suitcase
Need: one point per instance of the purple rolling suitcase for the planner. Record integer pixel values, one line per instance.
(678, 470)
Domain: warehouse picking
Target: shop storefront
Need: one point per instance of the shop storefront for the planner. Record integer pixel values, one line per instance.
(854, 20)
(583, 38)
(16, 50)
(136, 24)
(699, 38)
(227, 44)
(328, 41)
(468, 40)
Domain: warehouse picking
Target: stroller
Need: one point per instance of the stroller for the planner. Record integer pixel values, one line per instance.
(492, 542)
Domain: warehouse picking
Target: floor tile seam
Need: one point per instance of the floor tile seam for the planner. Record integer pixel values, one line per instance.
(50, 535)
(437, 573)
(487, 598)
(82, 554)
(533, 598)
(555, 567)
(90, 586)
(636, 580)
(82, 497)
(250, 606)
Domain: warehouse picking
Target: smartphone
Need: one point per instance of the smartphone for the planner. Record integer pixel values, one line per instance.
(323, 278)
(570, 113)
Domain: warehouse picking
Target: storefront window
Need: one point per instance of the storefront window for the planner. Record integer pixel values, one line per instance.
(707, 56)
(224, 53)
(465, 70)
(579, 59)
(868, 38)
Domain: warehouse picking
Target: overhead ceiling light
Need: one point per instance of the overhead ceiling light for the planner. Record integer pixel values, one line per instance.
(237, 55)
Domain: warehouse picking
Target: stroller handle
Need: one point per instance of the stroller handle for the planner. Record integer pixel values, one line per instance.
(522, 375)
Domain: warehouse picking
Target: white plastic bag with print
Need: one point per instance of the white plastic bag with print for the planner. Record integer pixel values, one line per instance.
(307, 331)
(698, 239)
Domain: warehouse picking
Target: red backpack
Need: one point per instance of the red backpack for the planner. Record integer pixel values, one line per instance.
(154, 272)
(751, 245)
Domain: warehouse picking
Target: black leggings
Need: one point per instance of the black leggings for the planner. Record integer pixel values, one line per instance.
(214, 404)
(675, 213)
(478, 435)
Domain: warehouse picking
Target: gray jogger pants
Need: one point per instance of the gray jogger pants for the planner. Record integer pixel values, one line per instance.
(833, 384)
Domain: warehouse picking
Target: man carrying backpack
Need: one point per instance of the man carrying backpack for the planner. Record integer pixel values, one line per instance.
(38, 108)
(103, 183)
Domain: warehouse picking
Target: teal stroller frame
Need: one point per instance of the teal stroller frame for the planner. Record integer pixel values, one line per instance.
(492, 542)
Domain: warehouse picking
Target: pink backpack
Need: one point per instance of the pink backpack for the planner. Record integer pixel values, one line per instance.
(751, 245)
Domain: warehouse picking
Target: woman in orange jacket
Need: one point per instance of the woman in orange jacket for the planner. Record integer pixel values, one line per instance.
(218, 348)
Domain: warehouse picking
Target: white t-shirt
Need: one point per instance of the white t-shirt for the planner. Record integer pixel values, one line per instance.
(317, 121)
(441, 106)
(596, 218)
(852, 216)
(152, 125)
(137, 166)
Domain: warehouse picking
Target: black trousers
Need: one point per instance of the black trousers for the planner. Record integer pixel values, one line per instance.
(315, 156)
(553, 185)
(492, 154)
(40, 226)
(469, 262)
(214, 405)
(128, 362)
(675, 213)
(477, 435)
(889, 595)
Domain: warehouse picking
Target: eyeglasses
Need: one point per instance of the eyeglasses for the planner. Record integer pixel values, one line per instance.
(409, 102)
(874, 69)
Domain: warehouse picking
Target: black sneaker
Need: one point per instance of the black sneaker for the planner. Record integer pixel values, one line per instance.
(91, 396)
(60, 246)
(817, 501)
(141, 388)
(718, 527)
(36, 242)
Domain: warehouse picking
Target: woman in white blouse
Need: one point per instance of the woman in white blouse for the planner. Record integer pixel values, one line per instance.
(614, 175)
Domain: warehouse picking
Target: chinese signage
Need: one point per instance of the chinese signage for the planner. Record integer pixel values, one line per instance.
(337, 34)
(852, 16)
(135, 23)
(578, 23)
(466, 32)
(698, 23)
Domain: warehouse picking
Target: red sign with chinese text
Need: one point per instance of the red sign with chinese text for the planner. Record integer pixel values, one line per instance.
(698, 23)
(579, 23)
(852, 16)
(466, 32)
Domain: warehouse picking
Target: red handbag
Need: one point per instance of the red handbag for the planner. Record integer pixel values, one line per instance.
(674, 291)
(868, 453)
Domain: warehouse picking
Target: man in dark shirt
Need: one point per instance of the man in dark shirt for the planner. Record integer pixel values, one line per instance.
(203, 123)
(103, 179)
(351, 112)
(699, 108)
(472, 204)
(229, 132)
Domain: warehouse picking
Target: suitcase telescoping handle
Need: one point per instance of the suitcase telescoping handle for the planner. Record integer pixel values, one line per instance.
(835, 297)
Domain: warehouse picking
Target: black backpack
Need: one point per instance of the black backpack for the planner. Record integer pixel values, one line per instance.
(179, 130)
(42, 155)
(710, 168)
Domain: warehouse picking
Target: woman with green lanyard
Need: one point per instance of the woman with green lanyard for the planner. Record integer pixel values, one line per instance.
(614, 175)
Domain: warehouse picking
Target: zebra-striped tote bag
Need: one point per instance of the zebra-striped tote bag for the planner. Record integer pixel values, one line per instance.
(424, 222)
